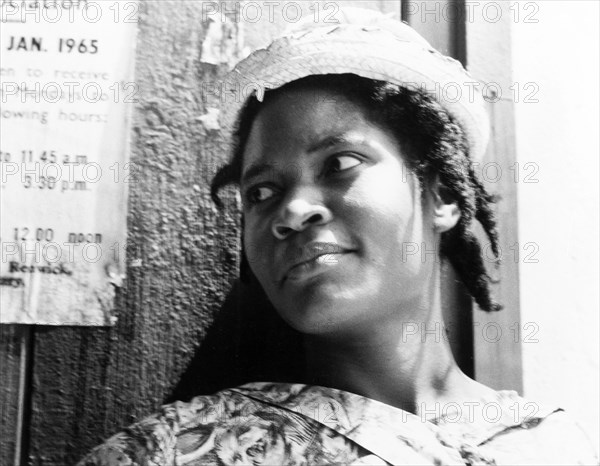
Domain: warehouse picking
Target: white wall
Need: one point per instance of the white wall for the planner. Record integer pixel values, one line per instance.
(560, 213)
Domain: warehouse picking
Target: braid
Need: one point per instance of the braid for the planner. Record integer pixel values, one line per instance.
(436, 146)
(463, 250)
(485, 214)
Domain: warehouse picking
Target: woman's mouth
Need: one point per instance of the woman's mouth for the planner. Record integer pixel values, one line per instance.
(314, 259)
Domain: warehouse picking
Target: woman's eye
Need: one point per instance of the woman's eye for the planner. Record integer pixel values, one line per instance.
(259, 194)
(339, 163)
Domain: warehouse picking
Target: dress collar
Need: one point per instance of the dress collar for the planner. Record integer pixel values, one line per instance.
(395, 435)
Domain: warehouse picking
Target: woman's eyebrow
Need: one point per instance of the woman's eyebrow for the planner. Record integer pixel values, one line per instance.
(330, 141)
(256, 170)
(259, 169)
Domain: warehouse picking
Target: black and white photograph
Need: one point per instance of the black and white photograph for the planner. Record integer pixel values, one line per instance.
(299, 233)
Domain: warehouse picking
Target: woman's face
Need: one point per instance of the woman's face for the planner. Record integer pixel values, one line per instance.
(335, 223)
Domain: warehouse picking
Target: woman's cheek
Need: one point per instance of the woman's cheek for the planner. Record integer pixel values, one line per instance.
(257, 243)
(381, 203)
(386, 212)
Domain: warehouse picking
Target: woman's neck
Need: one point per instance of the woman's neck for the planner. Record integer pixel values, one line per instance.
(407, 363)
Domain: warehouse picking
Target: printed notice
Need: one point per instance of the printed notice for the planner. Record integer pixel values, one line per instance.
(67, 92)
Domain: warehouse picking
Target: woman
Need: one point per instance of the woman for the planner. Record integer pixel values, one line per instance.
(345, 158)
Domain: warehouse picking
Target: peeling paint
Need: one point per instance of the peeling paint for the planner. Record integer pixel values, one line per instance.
(222, 44)
(210, 120)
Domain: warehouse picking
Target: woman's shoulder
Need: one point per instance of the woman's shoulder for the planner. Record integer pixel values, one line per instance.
(253, 424)
(556, 439)
(517, 430)
(153, 440)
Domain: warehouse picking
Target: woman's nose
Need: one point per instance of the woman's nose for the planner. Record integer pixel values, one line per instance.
(297, 215)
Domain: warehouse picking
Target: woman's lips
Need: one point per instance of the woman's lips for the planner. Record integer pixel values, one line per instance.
(310, 267)
(314, 258)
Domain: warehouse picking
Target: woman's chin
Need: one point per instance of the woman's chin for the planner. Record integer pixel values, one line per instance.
(321, 308)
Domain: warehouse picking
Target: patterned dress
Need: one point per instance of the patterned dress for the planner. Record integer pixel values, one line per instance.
(293, 424)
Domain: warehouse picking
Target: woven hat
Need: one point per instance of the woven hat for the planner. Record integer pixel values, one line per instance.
(371, 45)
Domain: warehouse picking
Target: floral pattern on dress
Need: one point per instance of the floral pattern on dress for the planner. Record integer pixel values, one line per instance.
(269, 424)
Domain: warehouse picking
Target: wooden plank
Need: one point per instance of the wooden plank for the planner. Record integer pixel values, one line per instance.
(14, 392)
(498, 360)
(9, 391)
(441, 22)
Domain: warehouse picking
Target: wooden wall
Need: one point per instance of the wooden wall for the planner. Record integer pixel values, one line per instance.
(498, 336)
(86, 383)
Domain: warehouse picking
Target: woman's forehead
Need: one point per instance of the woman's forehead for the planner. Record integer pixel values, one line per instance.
(288, 104)
(305, 118)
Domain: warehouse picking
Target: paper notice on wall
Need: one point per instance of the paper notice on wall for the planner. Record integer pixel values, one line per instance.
(67, 92)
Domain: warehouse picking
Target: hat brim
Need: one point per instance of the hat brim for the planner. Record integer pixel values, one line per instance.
(402, 63)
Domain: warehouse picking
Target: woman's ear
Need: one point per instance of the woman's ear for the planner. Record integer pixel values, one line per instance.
(446, 212)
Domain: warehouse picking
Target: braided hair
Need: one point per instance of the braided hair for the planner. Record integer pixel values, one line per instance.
(436, 146)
